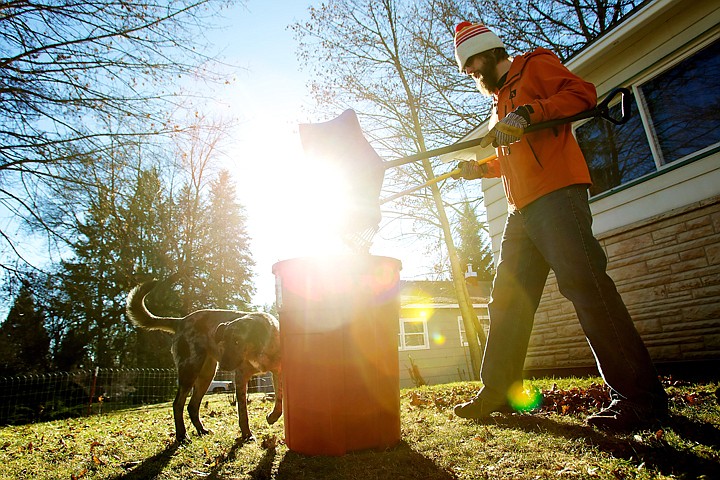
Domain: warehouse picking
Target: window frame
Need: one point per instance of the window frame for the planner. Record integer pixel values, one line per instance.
(635, 85)
(402, 346)
(483, 319)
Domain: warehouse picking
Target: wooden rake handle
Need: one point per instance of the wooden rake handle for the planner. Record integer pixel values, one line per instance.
(437, 179)
(602, 110)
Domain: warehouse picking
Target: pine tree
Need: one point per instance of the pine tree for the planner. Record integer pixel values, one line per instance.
(93, 285)
(24, 342)
(228, 259)
(474, 246)
(149, 249)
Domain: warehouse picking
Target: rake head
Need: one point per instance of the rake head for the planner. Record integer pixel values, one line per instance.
(341, 141)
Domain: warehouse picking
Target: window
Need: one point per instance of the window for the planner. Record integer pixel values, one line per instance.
(674, 115)
(483, 318)
(413, 334)
(615, 154)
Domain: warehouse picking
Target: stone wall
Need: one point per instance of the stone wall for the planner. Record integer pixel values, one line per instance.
(667, 269)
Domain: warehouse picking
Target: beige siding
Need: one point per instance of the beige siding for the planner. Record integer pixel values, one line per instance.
(668, 271)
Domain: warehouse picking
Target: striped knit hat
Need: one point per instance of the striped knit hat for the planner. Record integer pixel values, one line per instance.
(471, 39)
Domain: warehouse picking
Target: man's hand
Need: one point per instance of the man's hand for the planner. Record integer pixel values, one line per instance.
(471, 170)
(506, 131)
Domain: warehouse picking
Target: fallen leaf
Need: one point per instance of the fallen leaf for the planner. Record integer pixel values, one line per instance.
(79, 475)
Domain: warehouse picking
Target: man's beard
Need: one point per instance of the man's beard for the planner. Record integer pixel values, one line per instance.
(487, 81)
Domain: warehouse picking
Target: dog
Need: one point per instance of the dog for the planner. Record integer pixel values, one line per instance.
(247, 343)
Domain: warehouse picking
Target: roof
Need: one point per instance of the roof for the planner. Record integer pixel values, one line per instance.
(438, 292)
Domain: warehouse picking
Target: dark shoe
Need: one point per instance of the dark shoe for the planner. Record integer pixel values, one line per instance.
(478, 408)
(622, 415)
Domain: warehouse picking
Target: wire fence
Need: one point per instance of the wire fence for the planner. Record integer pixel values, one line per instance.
(42, 397)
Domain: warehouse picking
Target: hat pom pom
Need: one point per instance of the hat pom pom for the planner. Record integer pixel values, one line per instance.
(462, 25)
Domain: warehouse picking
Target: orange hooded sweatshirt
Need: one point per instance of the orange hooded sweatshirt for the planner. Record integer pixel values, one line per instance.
(549, 159)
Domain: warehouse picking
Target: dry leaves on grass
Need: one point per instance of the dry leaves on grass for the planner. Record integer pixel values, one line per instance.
(575, 400)
(570, 401)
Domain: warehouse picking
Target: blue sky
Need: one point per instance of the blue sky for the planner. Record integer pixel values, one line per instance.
(268, 97)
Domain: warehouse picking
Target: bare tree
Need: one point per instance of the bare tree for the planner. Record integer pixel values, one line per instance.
(380, 57)
(78, 79)
(198, 150)
(392, 61)
(564, 26)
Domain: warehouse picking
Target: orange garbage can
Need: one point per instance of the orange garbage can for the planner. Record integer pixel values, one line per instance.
(338, 333)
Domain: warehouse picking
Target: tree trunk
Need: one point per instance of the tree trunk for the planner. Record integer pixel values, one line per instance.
(475, 338)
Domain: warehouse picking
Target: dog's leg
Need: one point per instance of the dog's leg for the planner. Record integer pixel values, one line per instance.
(241, 381)
(178, 407)
(273, 416)
(202, 382)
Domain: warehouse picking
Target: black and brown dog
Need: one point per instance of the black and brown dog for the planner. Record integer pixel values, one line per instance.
(247, 343)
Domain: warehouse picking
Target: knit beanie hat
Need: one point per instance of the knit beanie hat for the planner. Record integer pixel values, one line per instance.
(471, 39)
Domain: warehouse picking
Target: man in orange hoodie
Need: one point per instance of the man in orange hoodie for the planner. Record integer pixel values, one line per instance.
(549, 226)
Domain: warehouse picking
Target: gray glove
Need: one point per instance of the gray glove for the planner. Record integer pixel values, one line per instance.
(509, 129)
(471, 170)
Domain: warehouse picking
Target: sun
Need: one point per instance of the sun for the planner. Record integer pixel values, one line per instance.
(295, 204)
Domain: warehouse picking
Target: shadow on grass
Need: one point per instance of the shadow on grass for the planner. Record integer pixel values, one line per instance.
(656, 453)
(263, 470)
(151, 467)
(398, 463)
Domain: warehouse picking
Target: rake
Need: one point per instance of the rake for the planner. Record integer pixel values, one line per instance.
(342, 141)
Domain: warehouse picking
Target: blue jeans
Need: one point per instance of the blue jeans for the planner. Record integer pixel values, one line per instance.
(555, 232)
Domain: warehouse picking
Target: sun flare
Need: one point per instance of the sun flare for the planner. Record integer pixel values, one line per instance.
(303, 201)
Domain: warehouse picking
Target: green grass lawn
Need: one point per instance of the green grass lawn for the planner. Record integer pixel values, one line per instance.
(552, 443)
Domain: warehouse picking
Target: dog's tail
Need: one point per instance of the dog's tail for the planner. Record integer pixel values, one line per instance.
(139, 314)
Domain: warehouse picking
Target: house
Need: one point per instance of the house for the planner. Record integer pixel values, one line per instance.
(431, 339)
(656, 192)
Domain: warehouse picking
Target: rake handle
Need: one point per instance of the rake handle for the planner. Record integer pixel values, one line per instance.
(602, 110)
(437, 179)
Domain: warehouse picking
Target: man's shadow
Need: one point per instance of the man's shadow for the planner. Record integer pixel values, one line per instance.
(656, 453)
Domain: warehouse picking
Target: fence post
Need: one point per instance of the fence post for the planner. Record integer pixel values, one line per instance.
(92, 390)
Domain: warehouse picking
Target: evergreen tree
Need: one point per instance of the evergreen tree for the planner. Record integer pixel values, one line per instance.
(124, 240)
(229, 261)
(149, 250)
(474, 246)
(24, 342)
(93, 285)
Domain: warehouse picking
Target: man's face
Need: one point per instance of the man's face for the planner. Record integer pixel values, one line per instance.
(483, 68)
